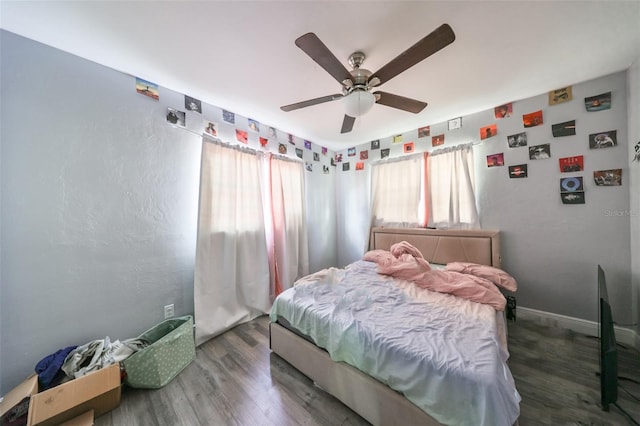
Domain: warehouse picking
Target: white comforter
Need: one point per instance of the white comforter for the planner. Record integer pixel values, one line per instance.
(445, 354)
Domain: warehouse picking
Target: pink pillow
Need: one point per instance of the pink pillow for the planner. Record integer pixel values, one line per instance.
(381, 257)
(495, 275)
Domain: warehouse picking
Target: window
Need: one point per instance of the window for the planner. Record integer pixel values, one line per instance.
(397, 189)
(433, 189)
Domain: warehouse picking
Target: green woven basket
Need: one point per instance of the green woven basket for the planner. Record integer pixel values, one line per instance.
(171, 349)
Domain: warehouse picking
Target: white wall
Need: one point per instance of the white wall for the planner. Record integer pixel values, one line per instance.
(551, 249)
(99, 204)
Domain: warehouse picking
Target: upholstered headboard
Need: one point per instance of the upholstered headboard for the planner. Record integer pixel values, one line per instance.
(443, 246)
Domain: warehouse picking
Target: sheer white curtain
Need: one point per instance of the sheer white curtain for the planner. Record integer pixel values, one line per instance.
(231, 282)
(451, 187)
(291, 248)
(396, 189)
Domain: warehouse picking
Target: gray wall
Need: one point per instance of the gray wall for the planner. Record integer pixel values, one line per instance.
(553, 249)
(550, 248)
(634, 177)
(99, 204)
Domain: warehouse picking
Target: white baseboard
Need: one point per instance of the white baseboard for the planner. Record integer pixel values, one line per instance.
(624, 335)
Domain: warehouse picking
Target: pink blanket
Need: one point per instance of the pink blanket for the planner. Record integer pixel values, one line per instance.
(411, 266)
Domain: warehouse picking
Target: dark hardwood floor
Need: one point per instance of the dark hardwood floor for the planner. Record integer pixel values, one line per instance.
(236, 380)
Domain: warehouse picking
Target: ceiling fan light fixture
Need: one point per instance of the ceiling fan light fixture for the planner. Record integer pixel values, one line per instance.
(358, 102)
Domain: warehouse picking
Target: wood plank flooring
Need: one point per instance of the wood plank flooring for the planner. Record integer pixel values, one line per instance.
(236, 380)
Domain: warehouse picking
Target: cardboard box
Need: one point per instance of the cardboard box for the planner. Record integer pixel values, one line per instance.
(98, 391)
(84, 419)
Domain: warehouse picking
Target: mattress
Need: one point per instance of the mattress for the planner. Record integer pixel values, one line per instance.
(445, 354)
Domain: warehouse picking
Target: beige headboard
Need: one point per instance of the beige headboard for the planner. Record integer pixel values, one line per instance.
(443, 246)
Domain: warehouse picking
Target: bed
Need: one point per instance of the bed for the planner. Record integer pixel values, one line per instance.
(319, 326)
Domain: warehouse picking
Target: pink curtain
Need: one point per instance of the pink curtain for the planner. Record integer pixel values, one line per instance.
(290, 257)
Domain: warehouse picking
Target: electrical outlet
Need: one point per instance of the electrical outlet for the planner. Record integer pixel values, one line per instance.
(168, 311)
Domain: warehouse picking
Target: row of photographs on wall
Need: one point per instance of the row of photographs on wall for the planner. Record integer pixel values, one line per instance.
(309, 167)
(542, 152)
(612, 177)
(605, 139)
(568, 128)
(178, 118)
(593, 103)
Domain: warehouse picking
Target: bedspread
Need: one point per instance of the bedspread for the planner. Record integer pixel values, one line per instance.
(445, 354)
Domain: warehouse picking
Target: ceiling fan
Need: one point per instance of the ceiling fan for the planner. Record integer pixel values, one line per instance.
(357, 83)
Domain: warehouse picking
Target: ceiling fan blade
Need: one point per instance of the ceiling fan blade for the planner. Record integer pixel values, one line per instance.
(438, 39)
(400, 102)
(347, 124)
(311, 102)
(316, 49)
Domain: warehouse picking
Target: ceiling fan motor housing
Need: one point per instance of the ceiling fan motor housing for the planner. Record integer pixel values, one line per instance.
(359, 76)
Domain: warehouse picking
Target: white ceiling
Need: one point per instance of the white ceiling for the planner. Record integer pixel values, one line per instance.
(241, 55)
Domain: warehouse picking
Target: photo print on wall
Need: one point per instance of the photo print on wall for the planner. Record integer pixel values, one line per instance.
(308, 166)
(572, 190)
(603, 139)
(425, 131)
(175, 117)
(517, 140)
(345, 167)
(488, 131)
(532, 119)
(384, 153)
(211, 128)
(254, 125)
(375, 144)
(540, 152)
(611, 177)
(299, 152)
(518, 171)
(364, 154)
(192, 104)
(437, 140)
(495, 160)
(397, 139)
(360, 165)
(408, 147)
(598, 102)
(455, 123)
(568, 128)
(572, 164)
(351, 152)
(503, 111)
(561, 95)
(338, 158)
(282, 149)
(307, 144)
(242, 136)
(263, 141)
(147, 88)
(228, 117)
